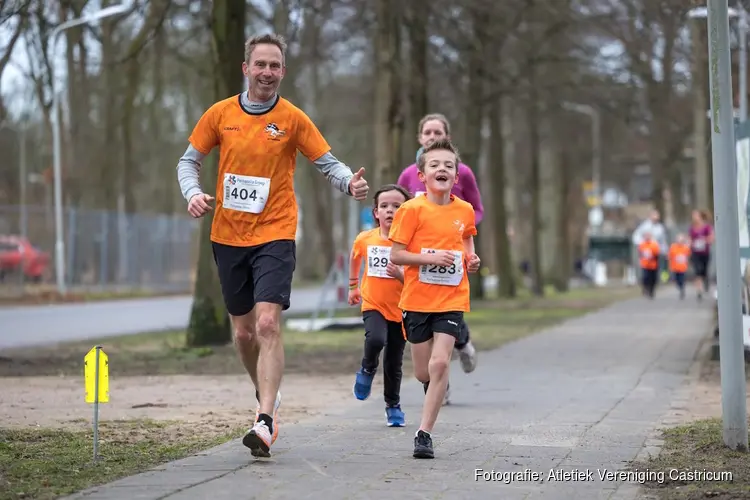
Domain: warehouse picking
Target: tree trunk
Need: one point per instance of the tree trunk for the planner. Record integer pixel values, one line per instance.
(396, 115)
(537, 279)
(418, 14)
(75, 156)
(320, 187)
(154, 16)
(550, 202)
(563, 260)
(505, 274)
(473, 129)
(386, 64)
(109, 166)
(209, 322)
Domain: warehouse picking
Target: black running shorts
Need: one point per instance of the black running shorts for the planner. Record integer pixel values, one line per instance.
(700, 264)
(261, 273)
(420, 327)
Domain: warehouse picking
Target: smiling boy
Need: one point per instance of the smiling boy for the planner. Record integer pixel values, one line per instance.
(433, 238)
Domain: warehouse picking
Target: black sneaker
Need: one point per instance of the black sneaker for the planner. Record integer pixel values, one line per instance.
(423, 445)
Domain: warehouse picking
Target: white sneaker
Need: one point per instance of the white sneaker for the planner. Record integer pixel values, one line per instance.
(259, 439)
(275, 416)
(468, 357)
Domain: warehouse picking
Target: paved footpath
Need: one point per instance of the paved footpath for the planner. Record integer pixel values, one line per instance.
(581, 396)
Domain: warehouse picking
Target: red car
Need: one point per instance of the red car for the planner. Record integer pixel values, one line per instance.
(15, 252)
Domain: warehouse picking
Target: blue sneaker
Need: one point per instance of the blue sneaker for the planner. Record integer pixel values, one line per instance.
(363, 384)
(394, 416)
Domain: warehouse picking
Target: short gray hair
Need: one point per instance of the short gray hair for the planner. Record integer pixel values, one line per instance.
(269, 38)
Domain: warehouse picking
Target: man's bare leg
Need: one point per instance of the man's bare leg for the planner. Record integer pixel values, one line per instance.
(246, 342)
(270, 367)
(271, 353)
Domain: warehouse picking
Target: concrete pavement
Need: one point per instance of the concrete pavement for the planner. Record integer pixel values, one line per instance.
(577, 400)
(36, 325)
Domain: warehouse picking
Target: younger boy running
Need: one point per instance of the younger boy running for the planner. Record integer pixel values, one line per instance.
(379, 295)
(679, 257)
(648, 252)
(432, 237)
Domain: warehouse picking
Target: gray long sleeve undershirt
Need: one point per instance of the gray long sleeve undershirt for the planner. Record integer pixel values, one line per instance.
(188, 167)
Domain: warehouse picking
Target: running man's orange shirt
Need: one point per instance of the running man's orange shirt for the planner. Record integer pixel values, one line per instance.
(379, 291)
(424, 227)
(255, 200)
(679, 255)
(648, 252)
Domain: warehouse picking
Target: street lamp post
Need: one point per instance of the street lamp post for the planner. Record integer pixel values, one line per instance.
(742, 35)
(596, 153)
(742, 26)
(56, 140)
(723, 152)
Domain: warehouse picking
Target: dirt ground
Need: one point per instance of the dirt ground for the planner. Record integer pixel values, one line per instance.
(203, 403)
(703, 394)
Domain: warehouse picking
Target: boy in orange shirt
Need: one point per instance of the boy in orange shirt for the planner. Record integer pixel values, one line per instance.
(679, 257)
(648, 252)
(433, 238)
(379, 295)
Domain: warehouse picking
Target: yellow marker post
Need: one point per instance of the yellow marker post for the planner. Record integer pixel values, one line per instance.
(96, 381)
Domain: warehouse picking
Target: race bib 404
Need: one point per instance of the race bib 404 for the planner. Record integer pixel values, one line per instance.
(442, 275)
(246, 193)
(378, 258)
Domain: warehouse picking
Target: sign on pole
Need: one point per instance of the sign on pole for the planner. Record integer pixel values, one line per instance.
(96, 382)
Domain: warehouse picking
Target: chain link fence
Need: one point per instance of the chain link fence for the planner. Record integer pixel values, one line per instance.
(103, 249)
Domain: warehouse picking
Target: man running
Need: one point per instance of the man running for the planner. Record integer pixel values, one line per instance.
(433, 127)
(255, 223)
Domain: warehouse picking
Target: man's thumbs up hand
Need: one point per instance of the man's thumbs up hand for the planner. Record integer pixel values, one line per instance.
(358, 185)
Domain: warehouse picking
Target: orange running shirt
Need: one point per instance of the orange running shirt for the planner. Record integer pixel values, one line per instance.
(648, 251)
(255, 200)
(379, 291)
(679, 255)
(423, 226)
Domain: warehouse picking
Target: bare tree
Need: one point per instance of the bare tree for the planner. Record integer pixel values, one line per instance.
(388, 118)
(209, 322)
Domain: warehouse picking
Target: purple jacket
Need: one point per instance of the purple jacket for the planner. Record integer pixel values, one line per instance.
(466, 188)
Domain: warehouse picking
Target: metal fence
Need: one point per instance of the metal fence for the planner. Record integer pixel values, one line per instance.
(106, 249)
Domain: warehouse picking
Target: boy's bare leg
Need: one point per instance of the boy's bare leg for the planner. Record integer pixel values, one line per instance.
(431, 360)
(439, 362)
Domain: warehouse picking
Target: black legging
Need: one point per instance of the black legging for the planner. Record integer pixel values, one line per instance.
(386, 336)
(463, 337)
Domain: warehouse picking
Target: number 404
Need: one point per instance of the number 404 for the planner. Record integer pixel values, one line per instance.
(243, 194)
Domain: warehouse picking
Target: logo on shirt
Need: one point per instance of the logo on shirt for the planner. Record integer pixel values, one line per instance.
(232, 128)
(274, 132)
(460, 226)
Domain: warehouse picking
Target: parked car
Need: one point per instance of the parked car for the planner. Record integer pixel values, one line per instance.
(17, 254)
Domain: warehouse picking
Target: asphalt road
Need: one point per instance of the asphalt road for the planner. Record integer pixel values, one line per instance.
(43, 325)
(25, 326)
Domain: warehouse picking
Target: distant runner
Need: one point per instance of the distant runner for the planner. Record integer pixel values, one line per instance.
(701, 238)
(679, 258)
(255, 223)
(433, 127)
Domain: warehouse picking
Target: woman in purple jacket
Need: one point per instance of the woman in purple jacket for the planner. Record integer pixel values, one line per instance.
(701, 238)
(431, 128)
